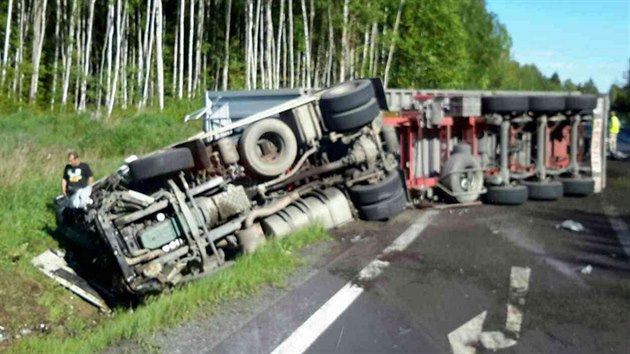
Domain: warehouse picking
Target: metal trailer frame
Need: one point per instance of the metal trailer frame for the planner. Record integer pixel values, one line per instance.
(226, 111)
(406, 99)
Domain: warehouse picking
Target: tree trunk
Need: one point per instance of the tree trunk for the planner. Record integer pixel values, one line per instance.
(344, 42)
(200, 32)
(121, 19)
(279, 45)
(191, 44)
(256, 45)
(56, 59)
(125, 57)
(248, 43)
(331, 49)
(110, 47)
(291, 61)
(147, 75)
(393, 44)
(39, 31)
(373, 40)
(7, 37)
(175, 56)
(226, 55)
(159, 54)
(86, 64)
(17, 83)
(307, 45)
(269, 46)
(180, 88)
(364, 61)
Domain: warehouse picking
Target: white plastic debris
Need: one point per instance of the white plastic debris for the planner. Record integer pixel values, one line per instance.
(495, 340)
(372, 270)
(587, 270)
(571, 226)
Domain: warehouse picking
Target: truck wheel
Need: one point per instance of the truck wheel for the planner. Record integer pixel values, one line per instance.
(200, 154)
(547, 104)
(354, 118)
(578, 187)
(346, 96)
(364, 194)
(504, 104)
(161, 163)
(546, 190)
(384, 209)
(506, 195)
(458, 180)
(268, 148)
(581, 103)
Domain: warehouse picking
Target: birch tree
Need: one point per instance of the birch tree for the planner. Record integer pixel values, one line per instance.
(307, 45)
(344, 41)
(159, 54)
(392, 45)
(86, 63)
(121, 19)
(191, 43)
(291, 50)
(180, 85)
(57, 45)
(7, 40)
(39, 31)
(226, 63)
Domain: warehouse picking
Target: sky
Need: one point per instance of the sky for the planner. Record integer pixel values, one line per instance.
(578, 39)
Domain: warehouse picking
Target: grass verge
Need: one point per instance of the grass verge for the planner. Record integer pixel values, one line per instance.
(269, 266)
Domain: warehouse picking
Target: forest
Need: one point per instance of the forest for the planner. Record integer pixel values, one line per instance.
(99, 55)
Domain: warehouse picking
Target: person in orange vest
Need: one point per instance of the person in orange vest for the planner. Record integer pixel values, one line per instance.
(613, 130)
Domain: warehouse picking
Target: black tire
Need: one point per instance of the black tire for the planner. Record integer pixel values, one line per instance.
(364, 194)
(161, 163)
(346, 96)
(504, 104)
(581, 103)
(506, 195)
(384, 209)
(200, 154)
(281, 138)
(462, 148)
(578, 187)
(353, 119)
(546, 104)
(546, 190)
(454, 181)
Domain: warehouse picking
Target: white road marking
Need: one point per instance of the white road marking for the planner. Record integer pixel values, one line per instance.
(305, 335)
(464, 339)
(519, 285)
(309, 331)
(620, 228)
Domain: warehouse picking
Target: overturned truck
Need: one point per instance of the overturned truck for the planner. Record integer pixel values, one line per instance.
(270, 162)
(185, 211)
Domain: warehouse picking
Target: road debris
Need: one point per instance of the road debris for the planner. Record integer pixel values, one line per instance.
(4, 335)
(571, 226)
(356, 239)
(495, 340)
(372, 270)
(587, 270)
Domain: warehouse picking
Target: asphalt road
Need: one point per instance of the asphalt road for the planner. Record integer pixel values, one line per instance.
(458, 266)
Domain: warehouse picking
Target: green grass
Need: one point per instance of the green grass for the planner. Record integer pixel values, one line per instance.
(269, 266)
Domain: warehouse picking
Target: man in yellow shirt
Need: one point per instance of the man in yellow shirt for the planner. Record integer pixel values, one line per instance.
(613, 131)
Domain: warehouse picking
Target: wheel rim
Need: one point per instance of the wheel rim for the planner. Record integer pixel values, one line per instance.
(270, 147)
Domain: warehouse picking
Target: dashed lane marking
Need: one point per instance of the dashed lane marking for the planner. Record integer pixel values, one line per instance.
(305, 335)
